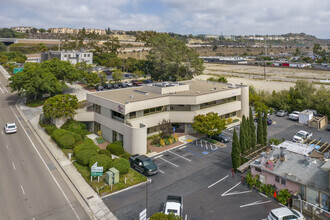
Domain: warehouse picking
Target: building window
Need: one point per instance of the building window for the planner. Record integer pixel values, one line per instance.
(283, 181)
(180, 108)
(88, 55)
(257, 169)
(226, 115)
(277, 179)
(132, 115)
(153, 129)
(65, 55)
(84, 55)
(118, 116)
(97, 108)
(208, 104)
(150, 111)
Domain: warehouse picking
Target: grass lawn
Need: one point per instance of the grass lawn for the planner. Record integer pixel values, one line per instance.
(132, 178)
(35, 103)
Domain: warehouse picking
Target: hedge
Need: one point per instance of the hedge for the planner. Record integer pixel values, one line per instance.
(50, 128)
(85, 144)
(105, 152)
(121, 164)
(125, 155)
(116, 148)
(75, 127)
(64, 138)
(102, 161)
(84, 156)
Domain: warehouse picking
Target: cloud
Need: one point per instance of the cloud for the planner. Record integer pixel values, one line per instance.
(236, 17)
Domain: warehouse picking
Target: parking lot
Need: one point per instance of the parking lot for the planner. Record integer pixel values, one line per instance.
(202, 175)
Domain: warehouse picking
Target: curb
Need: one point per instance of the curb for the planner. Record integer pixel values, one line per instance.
(128, 188)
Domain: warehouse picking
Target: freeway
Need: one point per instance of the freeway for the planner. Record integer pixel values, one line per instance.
(31, 183)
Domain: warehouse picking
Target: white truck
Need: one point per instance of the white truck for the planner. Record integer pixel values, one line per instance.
(301, 136)
(173, 204)
(294, 115)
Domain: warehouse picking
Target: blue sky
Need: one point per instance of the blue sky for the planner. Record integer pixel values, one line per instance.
(237, 17)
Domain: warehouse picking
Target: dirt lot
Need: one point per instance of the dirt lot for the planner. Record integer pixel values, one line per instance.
(276, 78)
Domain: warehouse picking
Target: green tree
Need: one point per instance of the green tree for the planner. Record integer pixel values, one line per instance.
(3, 59)
(235, 152)
(172, 59)
(3, 47)
(35, 81)
(42, 47)
(260, 137)
(252, 130)
(243, 135)
(321, 101)
(62, 70)
(60, 106)
(91, 79)
(210, 124)
(138, 74)
(42, 30)
(117, 75)
(111, 45)
(264, 126)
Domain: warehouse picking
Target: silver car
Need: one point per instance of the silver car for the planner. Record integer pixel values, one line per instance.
(281, 113)
(10, 128)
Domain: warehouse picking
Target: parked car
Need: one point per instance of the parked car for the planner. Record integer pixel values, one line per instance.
(285, 213)
(301, 135)
(115, 85)
(10, 128)
(173, 204)
(129, 84)
(143, 164)
(108, 86)
(222, 138)
(136, 83)
(108, 72)
(269, 121)
(122, 85)
(147, 81)
(294, 116)
(328, 127)
(99, 88)
(281, 113)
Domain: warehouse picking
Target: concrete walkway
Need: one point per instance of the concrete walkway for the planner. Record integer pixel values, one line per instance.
(96, 208)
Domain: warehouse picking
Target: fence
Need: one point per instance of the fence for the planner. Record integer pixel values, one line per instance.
(310, 210)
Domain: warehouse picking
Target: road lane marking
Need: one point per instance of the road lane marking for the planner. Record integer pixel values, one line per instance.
(14, 165)
(22, 189)
(217, 182)
(255, 203)
(4, 87)
(179, 156)
(42, 159)
(160, 157)
(234, 193)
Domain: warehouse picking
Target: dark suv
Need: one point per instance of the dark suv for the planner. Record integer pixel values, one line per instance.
(143, 164)
(222, 138)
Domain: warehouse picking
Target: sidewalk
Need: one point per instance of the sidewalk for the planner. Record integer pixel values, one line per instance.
(96, 208)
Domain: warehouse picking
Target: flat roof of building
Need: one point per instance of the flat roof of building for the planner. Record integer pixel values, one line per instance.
(133, 94)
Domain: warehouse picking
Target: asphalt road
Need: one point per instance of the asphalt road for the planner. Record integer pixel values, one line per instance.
(31, 185)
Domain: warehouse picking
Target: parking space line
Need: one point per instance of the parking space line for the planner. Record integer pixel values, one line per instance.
(22, 190)
(183, 147)
(2, 132)
(234, 193)
(179, 156)
(255, 203)
(160, 170)
(7, 147)
(168, 162)
(14, 165)
(158, 156)
(194, 153)
(227, 132)
(262, 194)
(217, 182)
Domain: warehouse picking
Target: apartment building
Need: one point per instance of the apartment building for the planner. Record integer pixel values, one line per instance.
(132, 114)
(76, 31)
(73, 56)
(22, 29)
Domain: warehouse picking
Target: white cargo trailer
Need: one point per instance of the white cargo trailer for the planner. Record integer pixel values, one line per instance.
(305, 116)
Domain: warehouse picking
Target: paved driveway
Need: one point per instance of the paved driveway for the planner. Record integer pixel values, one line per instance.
(203, 177)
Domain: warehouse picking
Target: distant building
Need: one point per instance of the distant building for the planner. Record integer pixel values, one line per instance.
(22, 29)
(73, 56)
(75, 31)
(209, 36)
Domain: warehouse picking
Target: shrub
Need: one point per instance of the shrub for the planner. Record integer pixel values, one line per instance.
(162, 216)
(116, 148)
(85, 144)
(102, 161)
(125, 155)
(283, 196)
(229, 121)
(105, 152)
(64, 138)
(50, 128)
(162, 142)
(155, 140)
(84, 156)
(275, 141)
(121, 164)
(75, 127)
